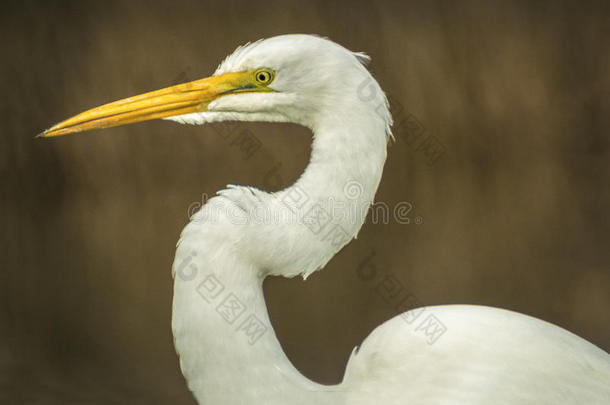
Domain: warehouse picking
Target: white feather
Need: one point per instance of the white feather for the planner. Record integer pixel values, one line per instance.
(485, 355)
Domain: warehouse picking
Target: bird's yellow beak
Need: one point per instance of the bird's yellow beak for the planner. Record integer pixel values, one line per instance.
(181, 99)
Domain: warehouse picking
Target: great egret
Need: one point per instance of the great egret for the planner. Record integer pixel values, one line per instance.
(228, 351)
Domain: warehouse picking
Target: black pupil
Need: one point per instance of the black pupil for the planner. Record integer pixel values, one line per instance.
(262, 77)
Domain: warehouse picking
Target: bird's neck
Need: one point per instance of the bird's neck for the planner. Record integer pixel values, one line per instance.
(328, 204)
(229, 351)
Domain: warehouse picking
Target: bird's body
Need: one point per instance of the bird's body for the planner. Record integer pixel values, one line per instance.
(228, 350)
(230, 354)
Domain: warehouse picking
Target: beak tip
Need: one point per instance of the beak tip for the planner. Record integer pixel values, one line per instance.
(43, 134)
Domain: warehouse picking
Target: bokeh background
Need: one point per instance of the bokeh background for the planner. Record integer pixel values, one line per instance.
(502, 149)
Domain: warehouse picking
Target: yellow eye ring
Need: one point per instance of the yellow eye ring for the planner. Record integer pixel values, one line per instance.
(264, 76)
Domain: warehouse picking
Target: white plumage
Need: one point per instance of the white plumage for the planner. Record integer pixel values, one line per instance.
(485, 356)
(228, 350)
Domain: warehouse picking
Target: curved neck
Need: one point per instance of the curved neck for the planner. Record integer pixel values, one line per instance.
(328, 204)
(229, 351)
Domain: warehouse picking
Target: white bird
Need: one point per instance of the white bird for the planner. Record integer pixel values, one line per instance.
(229, 353)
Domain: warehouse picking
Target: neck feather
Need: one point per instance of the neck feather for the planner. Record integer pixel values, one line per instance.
(228, 350)
(331, 199)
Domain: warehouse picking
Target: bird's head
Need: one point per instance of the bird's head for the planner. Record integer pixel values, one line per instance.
(288, 78)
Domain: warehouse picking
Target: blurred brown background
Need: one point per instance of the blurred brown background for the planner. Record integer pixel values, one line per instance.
(515, 211)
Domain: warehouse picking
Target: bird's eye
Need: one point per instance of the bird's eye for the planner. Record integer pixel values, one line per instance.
(264, 76)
